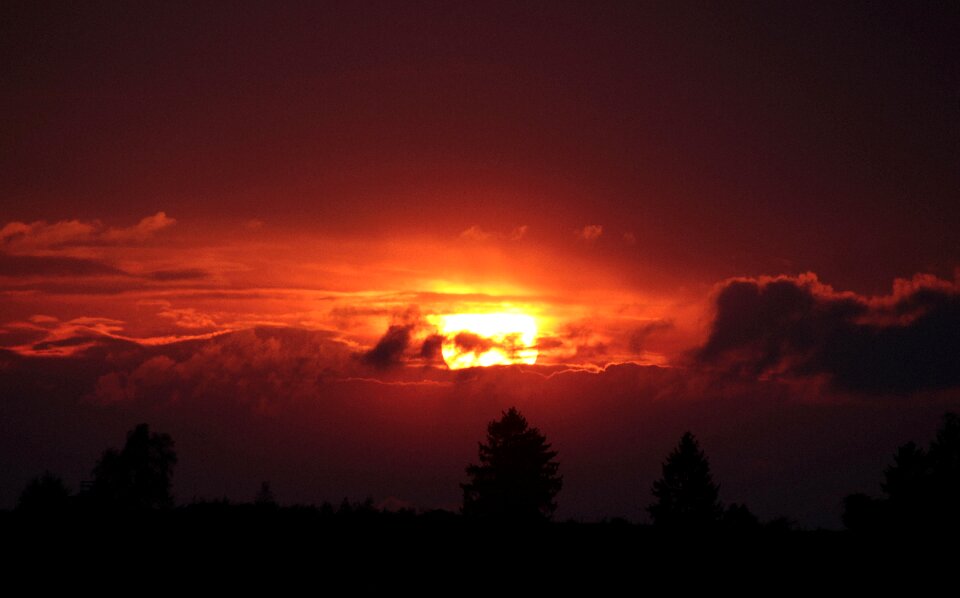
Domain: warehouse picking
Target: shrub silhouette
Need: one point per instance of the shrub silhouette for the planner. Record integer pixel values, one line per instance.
(517, 476)
(44, 494)
(739, 518)
(139, 476)
(686, 496)
(264, 497)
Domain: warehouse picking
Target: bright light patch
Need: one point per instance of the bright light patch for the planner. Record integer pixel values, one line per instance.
(471, 340)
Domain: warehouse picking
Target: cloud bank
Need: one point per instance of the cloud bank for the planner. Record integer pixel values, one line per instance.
(904, 342)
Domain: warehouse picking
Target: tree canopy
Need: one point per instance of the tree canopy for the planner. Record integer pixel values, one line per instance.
(139, 476)
(45, 494)
(922, 487)
(517, 476)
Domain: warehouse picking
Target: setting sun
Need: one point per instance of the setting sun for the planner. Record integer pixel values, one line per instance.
(471, 340)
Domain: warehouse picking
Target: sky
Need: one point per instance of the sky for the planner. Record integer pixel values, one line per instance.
(241, 222)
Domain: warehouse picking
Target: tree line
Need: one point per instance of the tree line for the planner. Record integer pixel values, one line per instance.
(517, 481)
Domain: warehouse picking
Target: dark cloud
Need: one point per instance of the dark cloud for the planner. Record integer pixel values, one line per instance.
(474, 343)
(389, 349)
(637, 340)
(20, 266)
(469, 342)
(73, 341)
(20, 335)
(430, 350)
(590, 353)
(898, 344)
(546, 343)
(174, 275)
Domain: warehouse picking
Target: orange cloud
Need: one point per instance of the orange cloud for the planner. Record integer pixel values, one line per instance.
(41, 235)
(590, 232)
(475, 233)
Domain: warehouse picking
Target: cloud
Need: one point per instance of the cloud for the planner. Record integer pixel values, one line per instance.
(547, 343)
(519, 232)
(592, 353)
(188, 317)
(175, 275)
(55, 338)
(43, 319)
(42, 234)
(17, 333)
(21, 236)
(24, 266)
(430, 350)
(473, 343)
(141, 232)
(390, 348)
(262, 368)
(637, 339)
(477, 234)
(900, 343)
(590, 232)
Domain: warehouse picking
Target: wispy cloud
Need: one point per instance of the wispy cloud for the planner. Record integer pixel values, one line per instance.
(590, 232)
(478, 234)
(41, 235)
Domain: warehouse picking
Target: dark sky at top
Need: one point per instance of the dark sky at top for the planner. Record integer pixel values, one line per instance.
(732, 139)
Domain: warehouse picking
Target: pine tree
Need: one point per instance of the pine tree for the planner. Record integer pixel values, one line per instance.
(517, 476)
(686, 496)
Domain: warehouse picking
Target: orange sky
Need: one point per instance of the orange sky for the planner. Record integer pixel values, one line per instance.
(164, 284)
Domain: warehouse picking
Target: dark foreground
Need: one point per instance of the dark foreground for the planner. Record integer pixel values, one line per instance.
(439, 552)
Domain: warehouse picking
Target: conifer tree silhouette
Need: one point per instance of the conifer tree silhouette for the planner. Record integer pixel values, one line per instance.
(517, 476)
(686, 496)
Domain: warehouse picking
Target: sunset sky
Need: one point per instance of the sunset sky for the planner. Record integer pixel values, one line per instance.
(244, 223)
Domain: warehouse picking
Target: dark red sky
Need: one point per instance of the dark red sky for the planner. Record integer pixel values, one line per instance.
(172, 171)
(730, 140)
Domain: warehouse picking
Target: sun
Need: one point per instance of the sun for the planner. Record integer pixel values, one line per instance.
(485, 339)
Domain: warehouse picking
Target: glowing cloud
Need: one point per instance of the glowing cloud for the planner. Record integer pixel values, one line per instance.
(471, 340)
(590, 232)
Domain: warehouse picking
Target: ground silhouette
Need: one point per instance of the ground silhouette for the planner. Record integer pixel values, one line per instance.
(516, 478)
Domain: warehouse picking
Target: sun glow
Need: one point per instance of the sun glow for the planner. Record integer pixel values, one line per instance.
(471, 340)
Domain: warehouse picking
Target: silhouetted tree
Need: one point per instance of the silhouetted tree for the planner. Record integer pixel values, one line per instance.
(139, 475)
(517, 476)
(944, 455)
(862, 512)
(265, 496)
(44, 494)
(922, 488)
(908, 484)
(686, 496)
(737, 517)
